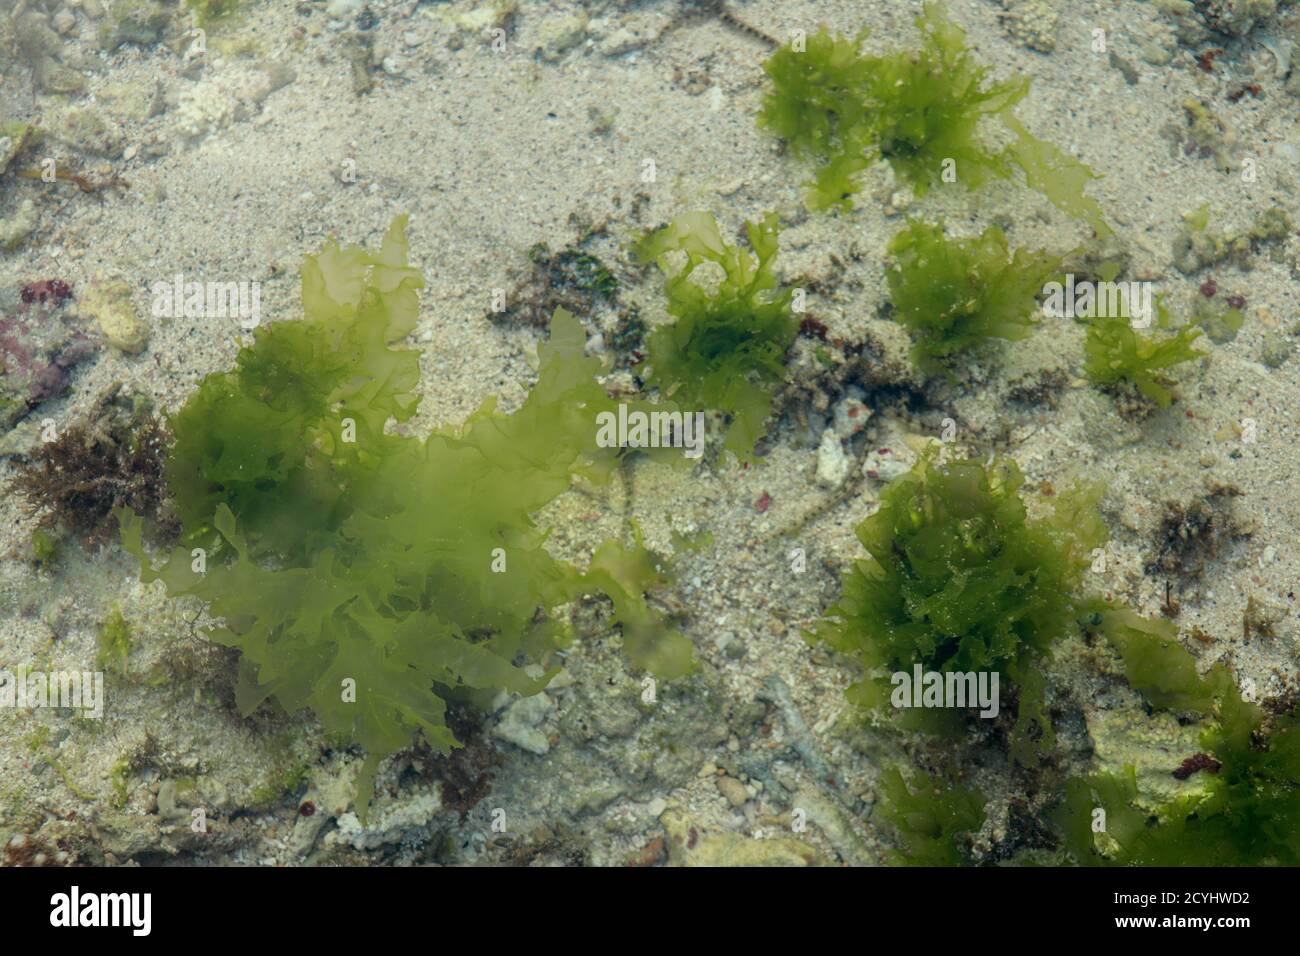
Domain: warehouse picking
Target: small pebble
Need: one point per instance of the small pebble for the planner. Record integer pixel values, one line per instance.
(832, 463)
(850, 415)
(881, 464)
(733, 790)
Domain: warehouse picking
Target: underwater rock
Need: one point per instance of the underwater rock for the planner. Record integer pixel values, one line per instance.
(14, 138)
(1031, 22)
(886, 464)
(521, 724)
(15, 229)
(109, 303)
(40, 344)
(558, 37)
(1232, 18)
(832, 465)
(87, 130)
(687, 847)
(124, 835)
(389, 824)
(1155, 745)
(850, 414)
(733, 791)
(1200, 244)
(344, 8)
(1276, 349)
(43, 48)
(140, 22)
(481, 18)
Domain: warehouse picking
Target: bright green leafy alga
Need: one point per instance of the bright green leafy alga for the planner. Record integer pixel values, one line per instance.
(1115, 352)
(726, 349)
(922, 110)
(1153, 661)
(370, 576)
(958, 578)
(953, 294)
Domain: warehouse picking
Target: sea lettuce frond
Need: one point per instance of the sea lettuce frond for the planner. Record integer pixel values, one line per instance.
(374, 577)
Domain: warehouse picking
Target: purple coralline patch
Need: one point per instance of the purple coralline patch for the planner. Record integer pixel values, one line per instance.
(41, 342)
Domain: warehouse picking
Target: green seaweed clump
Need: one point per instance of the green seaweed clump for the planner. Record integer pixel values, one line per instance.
(958, 578)
(292, 437)
(1246, 811)
(955, 293)
(1115, 353)
(921, 110)
(931, 820)
(375, 577)
(726, 350)
(820, 104)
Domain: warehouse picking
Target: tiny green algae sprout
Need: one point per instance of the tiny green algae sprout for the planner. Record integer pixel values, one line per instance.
(207, 12)
(952, 294)
(958, 578)
(922, 110)
(1244, 810)
(726, 348)
(113, 643)
(45, 548)
(373, 576)
(1115, 353)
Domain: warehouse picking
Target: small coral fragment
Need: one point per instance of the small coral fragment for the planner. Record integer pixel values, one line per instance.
(109, 302)
(1200, 244)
